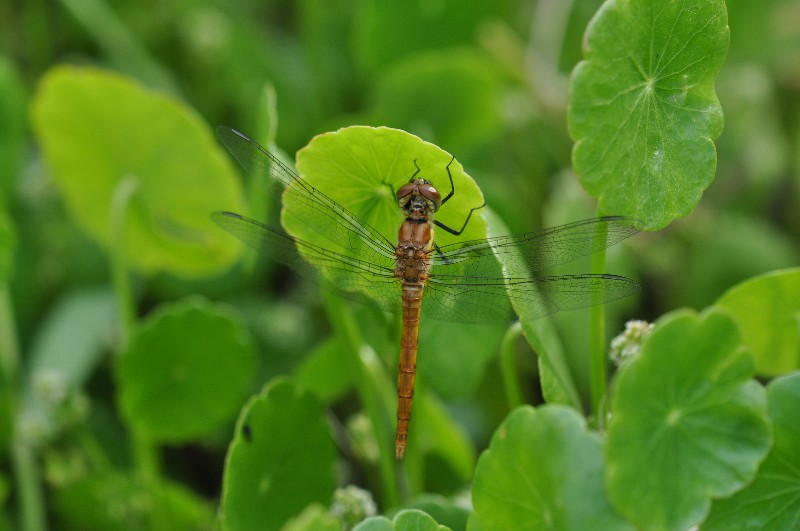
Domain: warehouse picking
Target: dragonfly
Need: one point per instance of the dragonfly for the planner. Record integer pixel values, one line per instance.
(475, 281)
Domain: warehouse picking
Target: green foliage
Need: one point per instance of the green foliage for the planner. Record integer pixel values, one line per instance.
(185, 372)
(122, 371)
(765, 309)
(643, 111)
(687, 403)
(280, 460)
(545, 468)
(98, 130)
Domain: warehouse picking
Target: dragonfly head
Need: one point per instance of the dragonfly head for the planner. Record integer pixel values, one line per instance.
(419, 195)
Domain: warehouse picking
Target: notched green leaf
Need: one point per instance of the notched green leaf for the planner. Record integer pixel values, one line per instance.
(643, 112)
(280, 461)
(688, 423)
(771, 501)
(544, 468)
(186, 371)
(407, 520)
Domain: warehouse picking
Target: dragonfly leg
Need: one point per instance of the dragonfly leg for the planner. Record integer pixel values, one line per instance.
(441, 225)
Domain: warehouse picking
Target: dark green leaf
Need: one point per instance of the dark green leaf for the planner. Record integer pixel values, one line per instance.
(771, 501)
(186, 371)
(12, 128)
(281, 459)
(643, 111)
(543, 468)
(687, 422)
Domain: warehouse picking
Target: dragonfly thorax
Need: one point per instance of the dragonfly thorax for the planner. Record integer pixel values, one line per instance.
(419, 198)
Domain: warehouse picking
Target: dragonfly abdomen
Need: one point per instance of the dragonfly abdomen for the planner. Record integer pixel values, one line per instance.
(412, 302)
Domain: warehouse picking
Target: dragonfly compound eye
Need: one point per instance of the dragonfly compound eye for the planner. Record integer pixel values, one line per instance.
(404, 193)
(431, 194)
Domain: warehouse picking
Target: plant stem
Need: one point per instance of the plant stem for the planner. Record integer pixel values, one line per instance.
(598, 365)
(24, 459)
(123, 193)
(145, 454)
(344, 325)
(509, 367)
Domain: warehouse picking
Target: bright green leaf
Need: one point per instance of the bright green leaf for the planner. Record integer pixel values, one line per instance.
(766, 309)
(315, 517)
(543, 468)
(186, 371)
(407, 520)
(324, 371)
(643, 111)
(688, 423)
(771, 501)
(447, 512)
(360, 166)
(281, 459)
(97, 128)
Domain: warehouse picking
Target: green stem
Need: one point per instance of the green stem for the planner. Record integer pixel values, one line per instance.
(123, 193)
(368, 393)
(24, 458)
(598, 365)
(145, 454)
(509, 366)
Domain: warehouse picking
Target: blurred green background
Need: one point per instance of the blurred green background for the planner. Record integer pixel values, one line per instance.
(486, 81)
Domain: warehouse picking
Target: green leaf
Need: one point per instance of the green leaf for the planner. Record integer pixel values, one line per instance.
(97, 128)
(558, 383)
(359, 167)
(407, 520)
(766, 310)
(771, 501)
(543, 468)
(324, 371)
(687, 422)
(281, 459)
(643, 112)
(450, 513)
(315, 517)
(186, 371)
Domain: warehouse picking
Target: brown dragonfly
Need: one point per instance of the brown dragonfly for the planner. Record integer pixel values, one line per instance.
(474, 281)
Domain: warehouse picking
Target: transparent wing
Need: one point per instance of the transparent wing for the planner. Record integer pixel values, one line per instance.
(373, 281)
(469, 284)
(479, 300)
(345, 232)
(540, 250)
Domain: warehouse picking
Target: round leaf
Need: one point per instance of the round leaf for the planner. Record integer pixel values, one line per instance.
(643, 112)
(360, 166)
(407, 520)
(97, 128)
(765, 309)
(280, 460)
(687, 423)
(186, 371)
(545, 469)
(771, 501)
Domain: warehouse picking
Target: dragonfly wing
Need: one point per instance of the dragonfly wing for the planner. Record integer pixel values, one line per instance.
(534, 251)
(344, 231)
(366, 281)
(491, 300)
